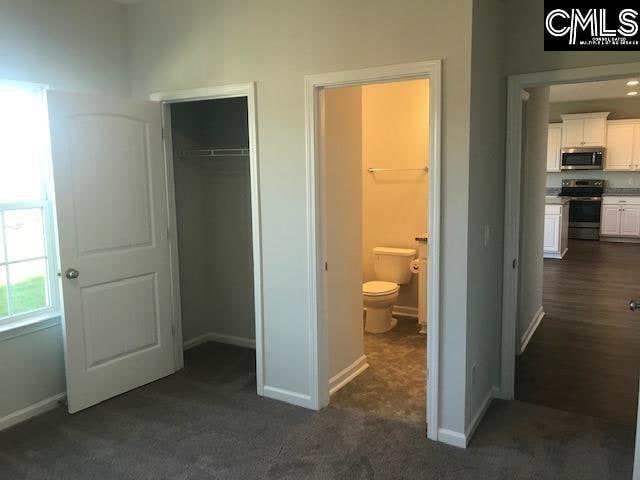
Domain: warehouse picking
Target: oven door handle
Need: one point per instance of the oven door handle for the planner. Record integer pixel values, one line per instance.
(586, 199)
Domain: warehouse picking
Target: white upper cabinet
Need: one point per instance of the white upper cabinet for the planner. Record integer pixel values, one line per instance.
(554, 144)
(623, 145)
(584, 129)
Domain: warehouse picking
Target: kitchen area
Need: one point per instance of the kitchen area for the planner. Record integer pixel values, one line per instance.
(593, 167)
(580, 341)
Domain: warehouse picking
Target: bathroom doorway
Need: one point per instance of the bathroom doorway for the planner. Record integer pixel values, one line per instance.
(375, 157)
(214, 228)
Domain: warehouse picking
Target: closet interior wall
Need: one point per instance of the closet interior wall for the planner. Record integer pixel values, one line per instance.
(213, 208)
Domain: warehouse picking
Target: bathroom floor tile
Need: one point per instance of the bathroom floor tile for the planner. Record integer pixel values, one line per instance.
(394, 385)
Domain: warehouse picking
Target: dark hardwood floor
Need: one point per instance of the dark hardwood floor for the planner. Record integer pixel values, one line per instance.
(585, 355)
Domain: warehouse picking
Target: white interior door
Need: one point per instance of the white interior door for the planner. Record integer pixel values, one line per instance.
(111, 205)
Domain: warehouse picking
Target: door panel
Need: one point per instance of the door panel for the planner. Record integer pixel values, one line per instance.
(610, 222)
(594, 132)
(115, 212)
(111, 206)
(551, 233)
(619, 154)
(630, 221)
(572, 134)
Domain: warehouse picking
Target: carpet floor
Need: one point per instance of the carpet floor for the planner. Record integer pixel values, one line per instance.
(206, 422)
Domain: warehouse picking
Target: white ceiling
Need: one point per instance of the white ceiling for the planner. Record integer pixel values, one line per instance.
(591, 90)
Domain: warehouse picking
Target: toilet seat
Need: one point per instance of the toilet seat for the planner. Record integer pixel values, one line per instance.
(378, 288)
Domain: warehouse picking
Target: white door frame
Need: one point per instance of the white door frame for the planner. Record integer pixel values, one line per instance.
(247, 90)
(516, 84)
(318, 341)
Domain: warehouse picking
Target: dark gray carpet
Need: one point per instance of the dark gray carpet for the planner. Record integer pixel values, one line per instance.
(206, 422)
(393, 386)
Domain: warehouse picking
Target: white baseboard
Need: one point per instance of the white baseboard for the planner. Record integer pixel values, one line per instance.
(294, 398)
(619, 239)
(555, 255)
(455, 439)
(31, 411)
(477, 418)
(405, 311)
(531, 329)
(220, 338)
(461, 440)
(345, 376)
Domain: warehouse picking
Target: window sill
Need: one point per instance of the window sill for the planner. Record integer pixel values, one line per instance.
(29, 325)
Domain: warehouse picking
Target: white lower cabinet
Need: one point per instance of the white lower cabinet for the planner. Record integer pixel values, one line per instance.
(620, 217)
(556, 230)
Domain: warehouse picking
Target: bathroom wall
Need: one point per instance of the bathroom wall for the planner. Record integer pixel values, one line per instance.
(532, 225)
(620, 108)
(395, 126)
(342, 153)
(213, 203)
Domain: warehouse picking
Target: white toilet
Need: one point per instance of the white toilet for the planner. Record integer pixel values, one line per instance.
(391, 266)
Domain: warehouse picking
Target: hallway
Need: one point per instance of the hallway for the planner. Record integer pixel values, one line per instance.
(585, 355)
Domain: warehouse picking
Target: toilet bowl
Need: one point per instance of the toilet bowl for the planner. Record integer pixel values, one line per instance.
(379, 299)
(391, 266)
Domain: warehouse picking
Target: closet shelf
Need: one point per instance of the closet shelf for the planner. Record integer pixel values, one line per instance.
(214, 153)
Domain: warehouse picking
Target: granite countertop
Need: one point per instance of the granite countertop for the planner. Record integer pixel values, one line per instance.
(555, 200)
(622, 192)
(608, 192)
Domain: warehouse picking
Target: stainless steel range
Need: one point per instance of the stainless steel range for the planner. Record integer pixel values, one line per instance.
(584, 208)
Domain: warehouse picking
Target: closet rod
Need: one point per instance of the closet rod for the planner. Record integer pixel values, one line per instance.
(376, 170)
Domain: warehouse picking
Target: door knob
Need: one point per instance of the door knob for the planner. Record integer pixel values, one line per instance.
(634, 305)
(71, 273)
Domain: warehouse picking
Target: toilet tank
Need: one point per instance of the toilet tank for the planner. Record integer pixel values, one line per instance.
(392, 264)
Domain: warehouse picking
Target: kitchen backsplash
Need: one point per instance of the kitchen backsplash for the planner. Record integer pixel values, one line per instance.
(612, 179)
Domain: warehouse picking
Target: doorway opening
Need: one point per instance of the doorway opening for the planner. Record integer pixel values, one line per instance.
(374, 144)
(572, 238)
(374, 179)
(212, 182)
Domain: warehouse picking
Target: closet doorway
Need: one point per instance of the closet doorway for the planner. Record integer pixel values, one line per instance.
(214, 230)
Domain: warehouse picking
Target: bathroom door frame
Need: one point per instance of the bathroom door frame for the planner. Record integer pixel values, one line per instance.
(248, 91)
(318, 331)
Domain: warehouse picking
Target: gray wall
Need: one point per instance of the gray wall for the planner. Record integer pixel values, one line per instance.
(70, 45)
(525, 43)
(486, 201)
(532, 200)
(194, 43)
(213, 207)
(77, 45)
(620, 108)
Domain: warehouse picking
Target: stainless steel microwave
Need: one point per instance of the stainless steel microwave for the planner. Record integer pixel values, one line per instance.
(582, 158)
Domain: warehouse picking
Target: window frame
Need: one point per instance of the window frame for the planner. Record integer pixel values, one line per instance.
(45, 203)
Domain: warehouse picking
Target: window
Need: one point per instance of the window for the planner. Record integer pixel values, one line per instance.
(28, 284)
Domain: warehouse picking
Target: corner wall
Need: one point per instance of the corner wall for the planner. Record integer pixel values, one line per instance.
(486, 209)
